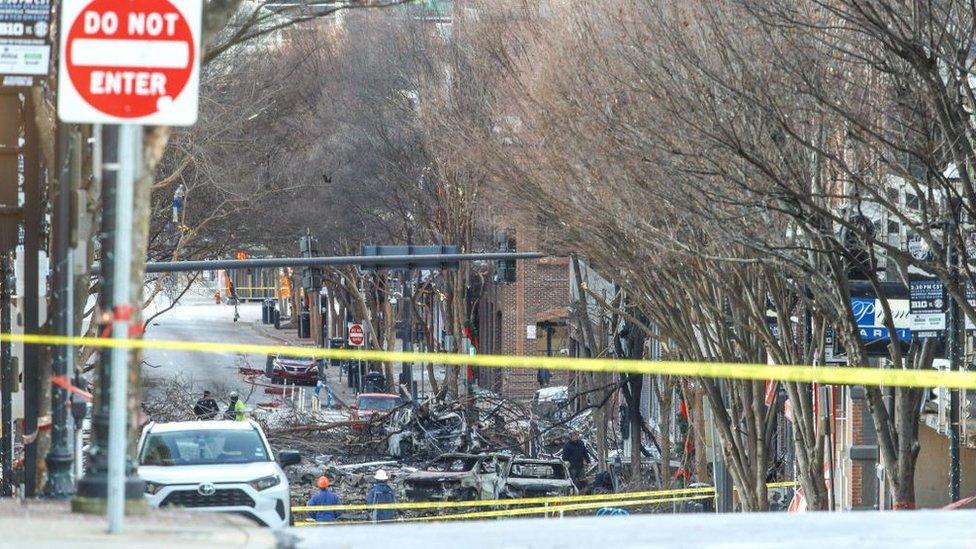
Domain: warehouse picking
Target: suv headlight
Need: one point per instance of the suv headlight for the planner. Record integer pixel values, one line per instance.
(154, 487)
(264, 483)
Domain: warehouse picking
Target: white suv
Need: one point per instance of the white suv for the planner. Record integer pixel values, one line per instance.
(222, 466)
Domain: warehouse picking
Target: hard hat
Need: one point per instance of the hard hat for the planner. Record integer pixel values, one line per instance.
(322, 482)
(381, 475)
(233, 394)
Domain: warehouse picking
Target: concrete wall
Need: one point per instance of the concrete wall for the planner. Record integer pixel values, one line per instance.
(932, 471)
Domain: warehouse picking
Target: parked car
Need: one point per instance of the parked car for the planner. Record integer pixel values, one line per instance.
(458, 477)
(370, 404)
(374, 382)
(294, 370)
(223, 466)
(528, 477)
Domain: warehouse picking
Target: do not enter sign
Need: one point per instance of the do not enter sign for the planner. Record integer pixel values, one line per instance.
(130, 62)
(357, 336)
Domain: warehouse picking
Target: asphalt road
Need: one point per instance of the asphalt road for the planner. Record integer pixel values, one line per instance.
(942, 529)
(199, 319)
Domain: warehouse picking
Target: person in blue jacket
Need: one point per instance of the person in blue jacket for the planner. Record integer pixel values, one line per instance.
(381, 492)
(324, 496)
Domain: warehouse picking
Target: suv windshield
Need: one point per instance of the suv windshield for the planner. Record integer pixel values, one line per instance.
(203, 447)
(452, 465)
(536, 470)
(378, 403)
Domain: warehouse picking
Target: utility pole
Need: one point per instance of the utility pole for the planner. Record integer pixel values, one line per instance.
(954, 342)
(109, 482)
(32, 251)
(60, 483)
(10, 152)
(406, 368)
(720, 470)
(6, 381)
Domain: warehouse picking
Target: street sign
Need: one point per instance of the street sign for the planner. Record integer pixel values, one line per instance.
(411, 250)
(129, 62)
(25, 51)
(927, 306)
(357, 335)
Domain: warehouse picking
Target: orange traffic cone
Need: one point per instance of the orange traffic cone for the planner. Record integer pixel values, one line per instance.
(217, 297)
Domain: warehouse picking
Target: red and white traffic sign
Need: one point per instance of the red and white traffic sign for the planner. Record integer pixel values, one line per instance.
(129, 62)
(357, 336)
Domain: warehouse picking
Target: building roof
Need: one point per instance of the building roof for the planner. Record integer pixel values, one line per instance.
(559, 314)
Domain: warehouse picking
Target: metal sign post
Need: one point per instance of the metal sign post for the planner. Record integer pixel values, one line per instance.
(133, 64)
(130, 144)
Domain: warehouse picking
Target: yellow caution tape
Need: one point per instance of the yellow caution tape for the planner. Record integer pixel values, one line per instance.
(756, 372)
(707, 490)
(518, 512)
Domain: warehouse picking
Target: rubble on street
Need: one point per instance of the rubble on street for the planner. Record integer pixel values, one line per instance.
(477, 447)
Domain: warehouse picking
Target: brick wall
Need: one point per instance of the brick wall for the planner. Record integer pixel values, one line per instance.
(506, 310)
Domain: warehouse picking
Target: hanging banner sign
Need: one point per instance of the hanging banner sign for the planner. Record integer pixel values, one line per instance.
(25, 50)
(928, 305)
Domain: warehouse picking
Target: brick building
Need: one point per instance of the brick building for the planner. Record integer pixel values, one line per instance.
(524, 317)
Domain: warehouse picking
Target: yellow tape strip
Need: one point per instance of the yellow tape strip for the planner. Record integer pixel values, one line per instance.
(517, 512)
(511, 501)
(754, 372)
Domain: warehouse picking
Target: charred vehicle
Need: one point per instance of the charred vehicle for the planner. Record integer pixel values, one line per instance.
(412, 433)
(458, 477)
(538, 477)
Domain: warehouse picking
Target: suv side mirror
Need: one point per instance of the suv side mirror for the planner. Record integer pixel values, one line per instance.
(289, 457)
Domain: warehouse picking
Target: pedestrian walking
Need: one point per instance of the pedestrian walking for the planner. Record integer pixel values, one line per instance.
(381, 492)
(206, 407)
(543, 375)
(575, 454)
(235, 410)
(323, 385)
(324, 496)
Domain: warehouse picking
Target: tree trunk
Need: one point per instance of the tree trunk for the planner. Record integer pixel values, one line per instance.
(665, 400)
(633, 407)
(389, 333)
(154, 144)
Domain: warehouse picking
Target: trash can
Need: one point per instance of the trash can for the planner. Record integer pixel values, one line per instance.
(265, 313)
(277, 319)
(305, 325)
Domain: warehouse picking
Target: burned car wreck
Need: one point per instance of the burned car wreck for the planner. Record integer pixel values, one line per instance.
(528, 477)
(458, 477)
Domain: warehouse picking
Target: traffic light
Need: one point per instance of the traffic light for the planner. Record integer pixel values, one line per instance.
(504, 268)
(308, 246)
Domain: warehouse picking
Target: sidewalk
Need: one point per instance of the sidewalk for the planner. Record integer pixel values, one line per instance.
(50, 524)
